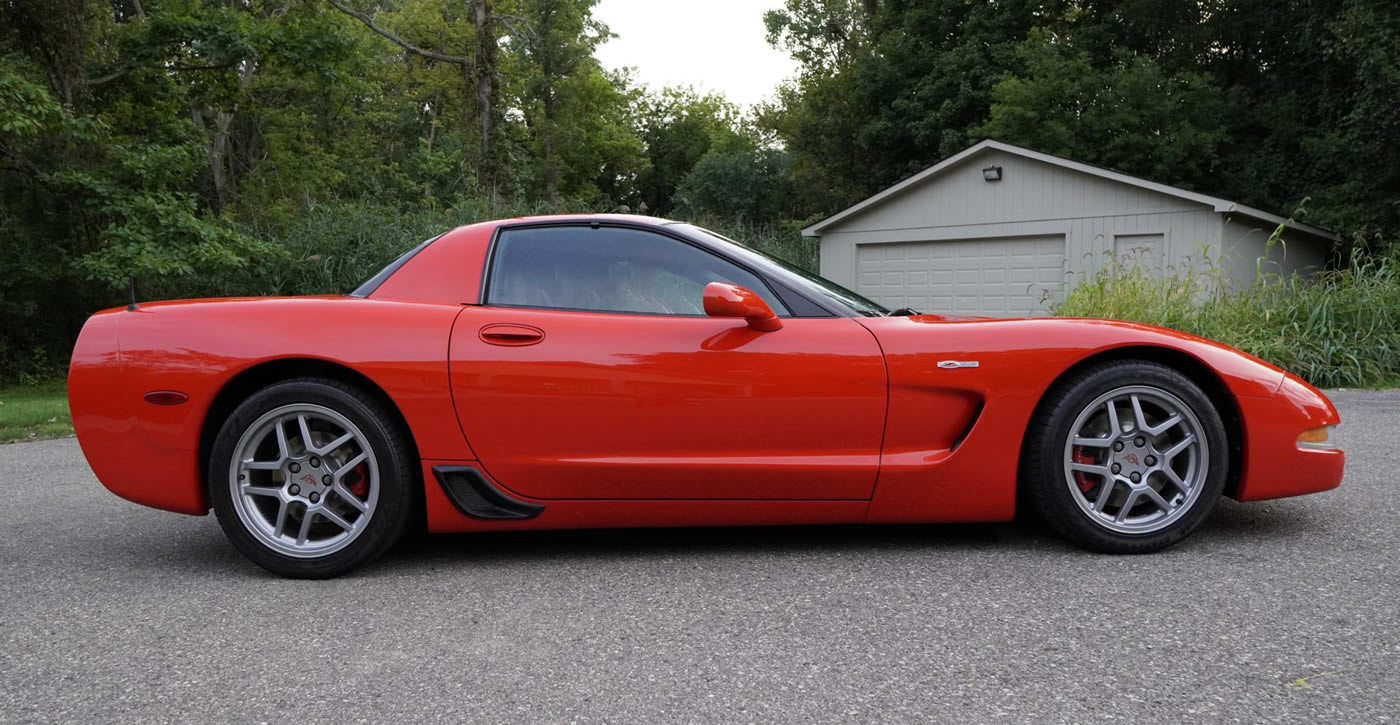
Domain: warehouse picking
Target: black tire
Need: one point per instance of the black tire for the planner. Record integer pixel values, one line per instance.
(1048, 484)
(396, 464)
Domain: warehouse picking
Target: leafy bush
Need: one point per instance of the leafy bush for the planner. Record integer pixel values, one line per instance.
(746, 184)
(1340, 328)
(326, 248)
(332, 247)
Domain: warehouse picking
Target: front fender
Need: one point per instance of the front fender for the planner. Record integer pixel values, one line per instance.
(1274, 464)
(928, 475)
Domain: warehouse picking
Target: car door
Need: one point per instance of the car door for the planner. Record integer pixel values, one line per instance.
(591, 371)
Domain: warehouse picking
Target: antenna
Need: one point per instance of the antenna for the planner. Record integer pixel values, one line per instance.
(131, 295)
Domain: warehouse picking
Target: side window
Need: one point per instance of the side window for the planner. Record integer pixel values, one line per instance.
(609, 269)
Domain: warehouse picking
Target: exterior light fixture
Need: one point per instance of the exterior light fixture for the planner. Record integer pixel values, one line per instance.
(991, 173)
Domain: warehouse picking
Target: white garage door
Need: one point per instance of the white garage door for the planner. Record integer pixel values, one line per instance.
(999, 277)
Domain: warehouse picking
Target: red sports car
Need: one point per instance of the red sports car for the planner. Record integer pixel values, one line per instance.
(608, 371)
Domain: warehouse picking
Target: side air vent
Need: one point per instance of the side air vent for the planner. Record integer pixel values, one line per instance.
(971, 421)
(474, 496)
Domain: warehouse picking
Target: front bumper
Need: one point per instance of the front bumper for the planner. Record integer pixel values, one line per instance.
(1274, 465)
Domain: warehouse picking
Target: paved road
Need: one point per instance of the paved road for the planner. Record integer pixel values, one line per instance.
(1280, 611)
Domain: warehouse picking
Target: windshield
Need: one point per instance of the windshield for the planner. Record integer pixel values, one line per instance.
(805, 280)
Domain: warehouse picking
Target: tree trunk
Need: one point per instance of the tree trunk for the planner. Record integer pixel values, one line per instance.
(484, 70)
(551, 171)
(432, 134)
(216, 149)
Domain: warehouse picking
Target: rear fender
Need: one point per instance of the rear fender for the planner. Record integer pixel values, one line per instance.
(150, 453)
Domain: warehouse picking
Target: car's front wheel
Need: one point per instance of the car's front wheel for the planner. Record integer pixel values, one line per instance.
(311, 477)
(1126, 457)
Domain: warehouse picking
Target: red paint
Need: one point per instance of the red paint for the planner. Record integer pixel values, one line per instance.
(198, 347)
(1274, 465)
(637, 420)
(722, 299)
(647, 406)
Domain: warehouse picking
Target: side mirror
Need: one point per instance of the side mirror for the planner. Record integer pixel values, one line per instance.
(730, 300)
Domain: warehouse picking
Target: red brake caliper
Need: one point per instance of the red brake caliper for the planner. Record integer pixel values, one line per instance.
(360, 475)
(1085, 483)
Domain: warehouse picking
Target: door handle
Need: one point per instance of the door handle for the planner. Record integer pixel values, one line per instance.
(511, 335)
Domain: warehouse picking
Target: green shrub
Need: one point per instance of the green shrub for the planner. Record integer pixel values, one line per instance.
(1340, 328)
(325, 248)
(333, 247)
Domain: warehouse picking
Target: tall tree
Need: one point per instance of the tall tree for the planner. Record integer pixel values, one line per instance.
(1268, 102)
(887, 87)
(679, 126)
(1129, 114)
(556, 46)
(822, 35)
(479, 73)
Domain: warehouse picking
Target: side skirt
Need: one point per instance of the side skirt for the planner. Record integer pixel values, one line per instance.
(474, 496)
(446, 515)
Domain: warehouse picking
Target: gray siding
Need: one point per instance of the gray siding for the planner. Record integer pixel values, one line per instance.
(1094, 215)
(1030, 190)
(1033, 199)
(1245, 241)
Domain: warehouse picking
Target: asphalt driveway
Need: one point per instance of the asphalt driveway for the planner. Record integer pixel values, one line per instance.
(1276, 611)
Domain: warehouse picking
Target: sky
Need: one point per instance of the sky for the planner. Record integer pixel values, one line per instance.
(714, 45)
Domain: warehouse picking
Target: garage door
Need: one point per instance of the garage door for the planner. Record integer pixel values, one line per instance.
(999, 277)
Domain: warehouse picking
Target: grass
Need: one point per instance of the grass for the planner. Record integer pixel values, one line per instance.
(1340, 328)
(34, 412)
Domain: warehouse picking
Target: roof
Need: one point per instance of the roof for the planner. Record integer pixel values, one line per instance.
(1224, 206)
(581, 218)
(585, 217)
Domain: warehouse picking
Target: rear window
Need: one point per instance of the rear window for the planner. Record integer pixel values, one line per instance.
(368, 287)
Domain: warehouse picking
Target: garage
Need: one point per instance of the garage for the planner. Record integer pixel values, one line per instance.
(999, 277)
(998, 229)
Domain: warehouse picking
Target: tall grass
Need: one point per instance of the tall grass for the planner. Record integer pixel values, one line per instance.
(1340, 328)
(782, 239)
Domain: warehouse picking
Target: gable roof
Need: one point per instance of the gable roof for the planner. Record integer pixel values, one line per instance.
(1224, 206)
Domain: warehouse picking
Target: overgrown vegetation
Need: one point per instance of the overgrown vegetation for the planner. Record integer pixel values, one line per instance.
(1338, 329)
(209, 147)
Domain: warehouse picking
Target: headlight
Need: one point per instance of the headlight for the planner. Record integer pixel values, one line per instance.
(1324, 437)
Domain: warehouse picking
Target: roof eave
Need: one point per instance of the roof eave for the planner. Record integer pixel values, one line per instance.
(1275, 219)
(816, 228)
(1216, 203)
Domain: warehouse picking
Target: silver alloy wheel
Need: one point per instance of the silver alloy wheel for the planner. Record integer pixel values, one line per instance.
(307, 493)
(1136, 459)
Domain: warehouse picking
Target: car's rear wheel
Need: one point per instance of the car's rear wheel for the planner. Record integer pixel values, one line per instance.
(1126, 457)
(311, 477)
